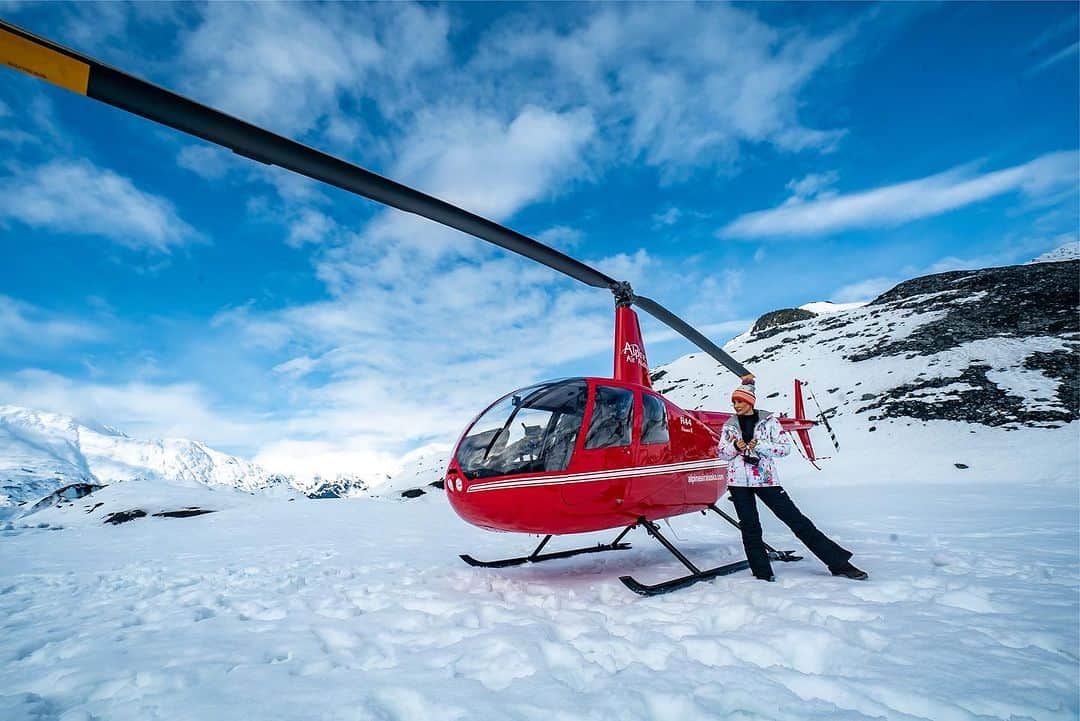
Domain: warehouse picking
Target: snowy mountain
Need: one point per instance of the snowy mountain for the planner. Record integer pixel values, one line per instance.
(421, 471)
(1068, 251)
(340, 486)
(939, 375)
(42, 452)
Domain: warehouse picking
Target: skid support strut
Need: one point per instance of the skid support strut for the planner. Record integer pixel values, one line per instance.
(775, 555)
(684, 581)
(536, 556)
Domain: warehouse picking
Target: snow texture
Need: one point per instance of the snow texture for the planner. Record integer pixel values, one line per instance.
(1068, 251)
(957, 486)
(358, 609)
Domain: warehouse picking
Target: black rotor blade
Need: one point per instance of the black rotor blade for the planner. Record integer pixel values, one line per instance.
(676, 323)
(44, 59)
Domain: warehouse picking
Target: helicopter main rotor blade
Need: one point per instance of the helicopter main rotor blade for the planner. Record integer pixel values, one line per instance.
(44, 59)
(676, 323)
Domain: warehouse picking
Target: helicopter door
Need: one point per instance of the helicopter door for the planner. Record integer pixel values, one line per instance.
(607, 446)
(654, 449)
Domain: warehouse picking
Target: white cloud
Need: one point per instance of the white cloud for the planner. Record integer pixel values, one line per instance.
(670, 216)
(288, 65)
(24, 326)
(208, 161)
(311, 227)
(904, 202)
(682, 88)
(492, 168)
(812, 185)
(77, 197)
(561, 237)
(864, 290)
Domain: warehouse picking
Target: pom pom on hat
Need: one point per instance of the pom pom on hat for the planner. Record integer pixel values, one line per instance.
(746, 391)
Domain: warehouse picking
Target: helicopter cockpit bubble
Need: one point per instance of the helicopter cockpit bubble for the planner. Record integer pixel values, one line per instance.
(528, 431)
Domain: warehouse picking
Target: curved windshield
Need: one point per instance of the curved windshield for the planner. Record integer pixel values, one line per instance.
(531, 430)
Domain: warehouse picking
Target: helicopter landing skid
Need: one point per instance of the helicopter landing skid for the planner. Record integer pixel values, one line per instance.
(536, 556)
(675, 584)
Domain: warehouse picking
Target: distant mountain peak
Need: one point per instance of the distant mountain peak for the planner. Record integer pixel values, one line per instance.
(42, 451)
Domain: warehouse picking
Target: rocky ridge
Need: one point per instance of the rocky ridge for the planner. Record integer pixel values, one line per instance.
(996, 347)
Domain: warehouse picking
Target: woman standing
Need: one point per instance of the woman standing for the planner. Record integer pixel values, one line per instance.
(749, 442)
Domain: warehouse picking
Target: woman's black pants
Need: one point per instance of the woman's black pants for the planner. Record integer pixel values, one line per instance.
(781, 504)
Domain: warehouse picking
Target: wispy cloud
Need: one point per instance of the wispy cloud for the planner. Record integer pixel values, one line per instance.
(562, 237)
(682, 89)
(178, 410)
(904, 202)
(25, 327)
(812, 186)
(668, 217)
(1018, 251)
(79, 198)
(1054, 59)
(288, 66)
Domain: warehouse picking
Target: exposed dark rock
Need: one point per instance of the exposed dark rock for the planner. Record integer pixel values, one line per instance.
(70, 492)
(124, 516)
(1038, 300)
(1062, 365)
(342, 486)
(770, 323)
(440, 484)
(961, 466)
(186, 513)
(1018, 301)
(984, 403)
(413, 493)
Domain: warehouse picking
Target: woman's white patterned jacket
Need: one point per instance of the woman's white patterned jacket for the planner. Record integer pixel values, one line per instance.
(773, 442)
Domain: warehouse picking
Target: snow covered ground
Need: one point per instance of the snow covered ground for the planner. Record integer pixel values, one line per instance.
(358, 609)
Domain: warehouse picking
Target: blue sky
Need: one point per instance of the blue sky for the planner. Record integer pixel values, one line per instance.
(728, 160)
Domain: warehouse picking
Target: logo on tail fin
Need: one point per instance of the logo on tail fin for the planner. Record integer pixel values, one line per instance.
(633, 353)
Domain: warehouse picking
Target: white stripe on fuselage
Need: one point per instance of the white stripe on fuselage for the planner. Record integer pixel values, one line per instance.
(632, 472)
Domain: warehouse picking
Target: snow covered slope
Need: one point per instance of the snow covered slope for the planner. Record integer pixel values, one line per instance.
(969, 374)
(1068, 251)
(41, 452)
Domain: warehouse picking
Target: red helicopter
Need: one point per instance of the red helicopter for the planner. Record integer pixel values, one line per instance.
(561, 457)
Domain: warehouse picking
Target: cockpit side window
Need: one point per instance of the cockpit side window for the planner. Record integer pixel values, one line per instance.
(612, 418)
(654, 427)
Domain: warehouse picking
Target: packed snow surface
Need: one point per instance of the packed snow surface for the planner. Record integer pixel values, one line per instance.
(359, 609)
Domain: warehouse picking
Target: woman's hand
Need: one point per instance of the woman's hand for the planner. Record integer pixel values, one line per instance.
(740, 445)
(751, 445)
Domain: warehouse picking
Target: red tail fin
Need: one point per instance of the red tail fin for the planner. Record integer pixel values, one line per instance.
(631, 365)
